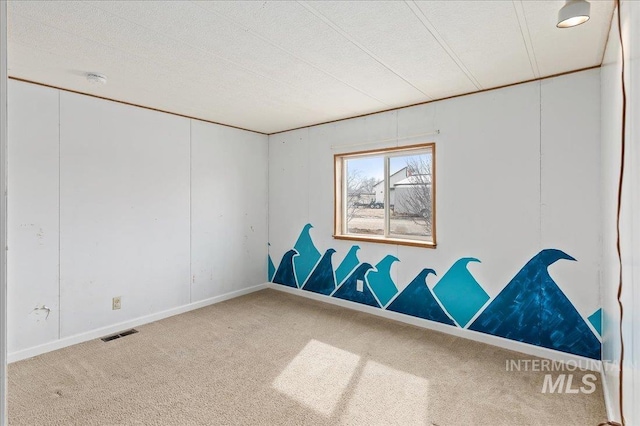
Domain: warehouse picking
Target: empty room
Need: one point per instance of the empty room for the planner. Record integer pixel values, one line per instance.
(320, 212)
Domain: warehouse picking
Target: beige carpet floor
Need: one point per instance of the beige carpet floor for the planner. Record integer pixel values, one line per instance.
(271, 358)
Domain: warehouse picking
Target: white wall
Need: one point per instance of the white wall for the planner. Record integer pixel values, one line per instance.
(124, 212)
(570, 183)
(33, 216)
(517, 172)
(630, 239)
(229, 207)
(113, 200)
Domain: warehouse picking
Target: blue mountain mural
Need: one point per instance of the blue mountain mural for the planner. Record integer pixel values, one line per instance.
(271, 269)
(309, 255)
(533, 309)
(530, 309)
(285, 274)
(460, 293)
(596, 320)
(418, 301)
(348, 290)
(348, 264)
(321, 279)
(381, 282)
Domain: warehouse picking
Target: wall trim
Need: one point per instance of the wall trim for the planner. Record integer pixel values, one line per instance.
(111, 329)
(512, 345)
(441, 99)
(104, 98)
(314, 124)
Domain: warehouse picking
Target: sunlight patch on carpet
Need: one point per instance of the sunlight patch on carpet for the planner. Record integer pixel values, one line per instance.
(318, 376)
(384, 395)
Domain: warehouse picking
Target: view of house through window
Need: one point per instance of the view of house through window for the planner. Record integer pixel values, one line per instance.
(386, 195)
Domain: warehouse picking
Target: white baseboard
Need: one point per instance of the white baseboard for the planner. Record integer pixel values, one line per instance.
(105, 331)
(501, 342)
(419, 322)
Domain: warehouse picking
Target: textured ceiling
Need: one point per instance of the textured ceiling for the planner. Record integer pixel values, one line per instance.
(270, 66)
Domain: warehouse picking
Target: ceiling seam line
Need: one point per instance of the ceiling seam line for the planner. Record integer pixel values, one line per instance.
(536, 73)
(266, 40)
(359, 45)
(533, 49)
(436, 35)
(606, 43)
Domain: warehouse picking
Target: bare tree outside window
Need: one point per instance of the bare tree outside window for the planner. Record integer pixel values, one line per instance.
(354, 192)
(360, 197)
(413, 198)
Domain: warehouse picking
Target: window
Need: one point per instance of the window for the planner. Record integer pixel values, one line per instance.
(386, 195)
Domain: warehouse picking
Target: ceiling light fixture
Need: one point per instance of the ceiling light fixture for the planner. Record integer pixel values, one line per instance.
(96, 79)
(573, 13)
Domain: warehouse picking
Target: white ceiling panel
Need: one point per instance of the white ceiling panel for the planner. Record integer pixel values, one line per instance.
(138, 79)
(272, 66)
(151, 56)
(392, 34)
(238, 49)
(298, 31)
(486, 38)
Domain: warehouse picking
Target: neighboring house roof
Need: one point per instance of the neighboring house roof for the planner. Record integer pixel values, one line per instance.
(414, 180)
(402, 170)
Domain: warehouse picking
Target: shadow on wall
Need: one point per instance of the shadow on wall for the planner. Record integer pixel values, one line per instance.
(531, 308)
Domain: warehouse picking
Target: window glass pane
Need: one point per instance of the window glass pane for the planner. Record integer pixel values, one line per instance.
(410, 193)
(365, 196)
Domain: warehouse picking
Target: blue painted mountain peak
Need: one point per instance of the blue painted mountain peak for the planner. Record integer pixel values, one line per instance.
(285, 274)
(417, 300)
(349, 290)
(596, 320)
(459, 292)
(381, 282)
(348, 264)
(309, 254)
(271, 269)
(533, 309)
(322, 279)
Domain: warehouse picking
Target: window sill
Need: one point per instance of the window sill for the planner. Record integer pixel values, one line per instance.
(387, 240)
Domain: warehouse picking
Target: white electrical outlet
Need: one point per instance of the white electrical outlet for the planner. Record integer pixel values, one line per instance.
(116, 303)
(360, 285)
